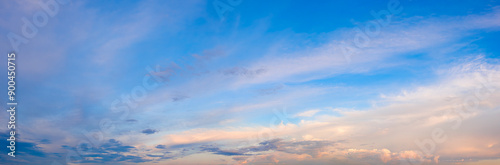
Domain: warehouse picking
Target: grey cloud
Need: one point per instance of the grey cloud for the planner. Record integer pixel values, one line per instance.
(131, 120)
(116, 146)
(294, 147)
(150, 155)
(218, 151)
(45, 141)
(210, 54)
(271, 90)
(149, 131)
(111, 151)
(298, 147)
(239, 71)
(179, 98)
(161, 146)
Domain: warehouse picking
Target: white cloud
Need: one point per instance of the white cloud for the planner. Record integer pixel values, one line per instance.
(394, 40)
(307, 113)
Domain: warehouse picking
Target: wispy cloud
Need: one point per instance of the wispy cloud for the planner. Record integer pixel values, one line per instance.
(308, 113)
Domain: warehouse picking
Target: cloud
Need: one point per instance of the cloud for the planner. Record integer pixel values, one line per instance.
(307, 113)
(179, 98)
(395, 40)
(116, 146)
(210, 54)
(131, 120)
(263, 146)
(390, 128)
(326, 61)
(30, 152)
(238, 71)
(26, 148)
(218, 151)
(388, 157)
(149, 131)
(311, 148)
(112, 151)
(161, 147)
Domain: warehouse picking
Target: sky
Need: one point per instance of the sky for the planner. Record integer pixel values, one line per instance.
(253, 82)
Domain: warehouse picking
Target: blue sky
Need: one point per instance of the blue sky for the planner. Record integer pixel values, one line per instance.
(280, 82)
